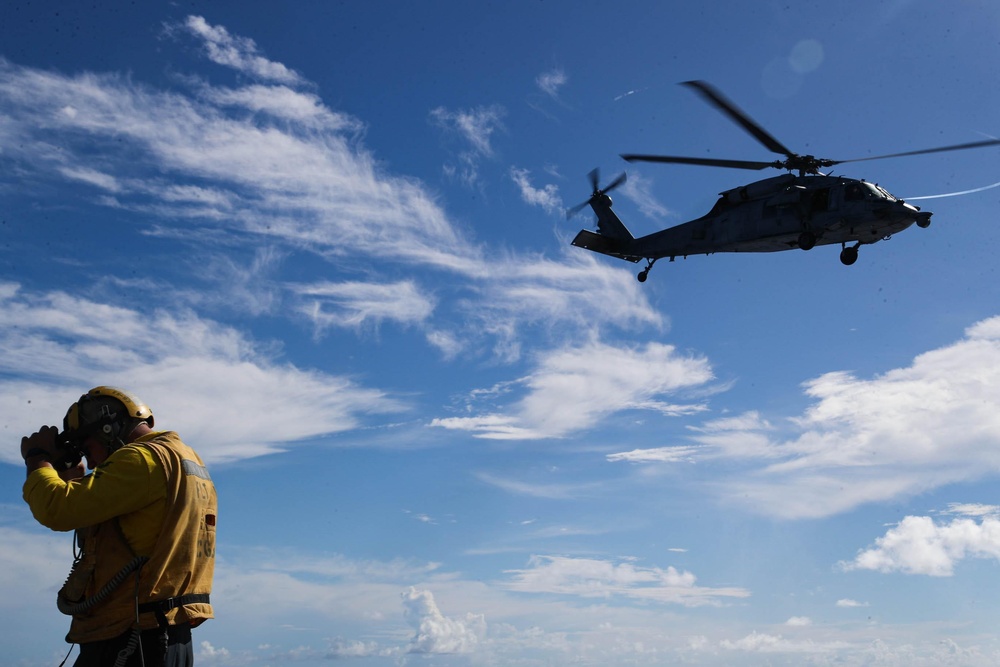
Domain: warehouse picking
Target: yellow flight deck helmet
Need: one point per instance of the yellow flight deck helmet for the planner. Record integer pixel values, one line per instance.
(107, 413)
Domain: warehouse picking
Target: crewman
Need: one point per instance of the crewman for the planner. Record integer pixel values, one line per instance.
(144, 522)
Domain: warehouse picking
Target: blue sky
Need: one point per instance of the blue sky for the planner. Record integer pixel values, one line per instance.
(326, 243)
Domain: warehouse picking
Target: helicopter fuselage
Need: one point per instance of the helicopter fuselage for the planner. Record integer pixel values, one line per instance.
(779, 213)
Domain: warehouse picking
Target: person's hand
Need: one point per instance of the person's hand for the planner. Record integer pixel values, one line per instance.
(42, 441)
(76, 472)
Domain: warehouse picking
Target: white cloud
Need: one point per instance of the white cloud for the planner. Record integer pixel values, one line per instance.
(551, 81)
(534, 490)
(904, 432)
(353, 649)
(547, 197)
(537, 291)
(436, 633)
(476, 126)
(93, 177)
(973, 509)
(355, 304)
(918, 545)
(799, 621)
(209, 651)
(638, 190)
(300, 181)
(759, 642)
(676, 454)
(293, 176)
(178, 363)
(850, 604)
(240, 53)
(31, 562)
(592, 578)
(574, 388)
(284, 103)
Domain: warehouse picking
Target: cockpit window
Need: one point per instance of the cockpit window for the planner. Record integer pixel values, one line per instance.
(854, 192)
(868, 190)
(884, 193)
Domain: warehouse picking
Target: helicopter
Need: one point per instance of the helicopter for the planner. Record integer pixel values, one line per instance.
(778, 213)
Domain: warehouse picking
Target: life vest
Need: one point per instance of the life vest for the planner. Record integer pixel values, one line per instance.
(174, 583)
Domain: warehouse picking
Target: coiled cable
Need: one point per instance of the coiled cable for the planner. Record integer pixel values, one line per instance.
(71, 608)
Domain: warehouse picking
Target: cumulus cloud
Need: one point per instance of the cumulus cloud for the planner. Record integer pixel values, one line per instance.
(861, 440)
(575, 387)
(436, 633)
(593, 578)
(919, 545)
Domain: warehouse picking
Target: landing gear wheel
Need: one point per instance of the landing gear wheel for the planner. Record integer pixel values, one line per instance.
(848, 256)
(807, 240)
(645, 272)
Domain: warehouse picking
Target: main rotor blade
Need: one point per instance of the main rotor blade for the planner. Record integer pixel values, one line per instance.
(726, 106)
(956, 147)
(708, 162)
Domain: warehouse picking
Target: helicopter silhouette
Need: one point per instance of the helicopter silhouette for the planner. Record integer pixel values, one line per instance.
(778, 213)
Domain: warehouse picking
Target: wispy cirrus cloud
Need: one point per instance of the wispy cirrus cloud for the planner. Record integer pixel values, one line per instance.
(301, 181)
(475, 127)
(546, 197)
(354, 304)
(551, 81)
(269, 164)
(639, 190)
(240, 53)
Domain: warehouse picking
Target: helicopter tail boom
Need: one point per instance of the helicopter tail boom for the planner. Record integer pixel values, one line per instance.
(604, 245)
(614, 239)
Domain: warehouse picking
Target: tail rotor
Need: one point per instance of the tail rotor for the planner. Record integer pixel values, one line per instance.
(594, 177)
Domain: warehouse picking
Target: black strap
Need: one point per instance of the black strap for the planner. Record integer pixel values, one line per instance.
(172, 603)
(161, 607)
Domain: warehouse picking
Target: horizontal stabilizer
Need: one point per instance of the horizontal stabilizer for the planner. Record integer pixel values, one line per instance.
(604, 245)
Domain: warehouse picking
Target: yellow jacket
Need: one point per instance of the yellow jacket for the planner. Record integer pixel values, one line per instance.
(151, 498)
